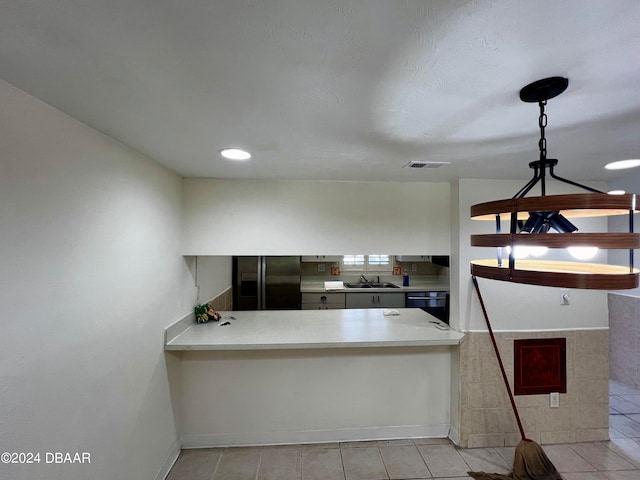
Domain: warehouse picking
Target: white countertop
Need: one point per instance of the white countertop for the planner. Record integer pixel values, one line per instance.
(296, 329)
(421, 286)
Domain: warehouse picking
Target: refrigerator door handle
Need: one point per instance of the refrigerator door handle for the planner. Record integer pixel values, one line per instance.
(262, 293)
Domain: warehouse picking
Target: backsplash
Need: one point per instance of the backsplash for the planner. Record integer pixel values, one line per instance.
(224, 301)
(486, 417)
(310, 269)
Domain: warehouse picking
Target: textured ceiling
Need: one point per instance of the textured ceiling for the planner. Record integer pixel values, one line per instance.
(338, 90)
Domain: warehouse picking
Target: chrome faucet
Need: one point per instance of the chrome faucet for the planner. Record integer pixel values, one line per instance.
(363, 279)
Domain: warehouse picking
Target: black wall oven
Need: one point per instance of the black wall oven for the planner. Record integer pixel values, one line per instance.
(434, 302)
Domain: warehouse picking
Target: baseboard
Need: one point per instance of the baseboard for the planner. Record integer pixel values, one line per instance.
(169, 461)
(454, 435)
(313, 436)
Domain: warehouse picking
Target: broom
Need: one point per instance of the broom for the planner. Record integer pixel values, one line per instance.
(530, 461)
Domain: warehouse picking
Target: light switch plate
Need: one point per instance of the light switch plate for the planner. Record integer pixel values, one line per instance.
(554, 399)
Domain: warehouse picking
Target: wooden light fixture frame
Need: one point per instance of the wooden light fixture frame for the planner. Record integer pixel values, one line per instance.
(555, 273)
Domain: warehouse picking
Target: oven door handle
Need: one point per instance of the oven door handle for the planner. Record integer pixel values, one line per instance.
(427, 298)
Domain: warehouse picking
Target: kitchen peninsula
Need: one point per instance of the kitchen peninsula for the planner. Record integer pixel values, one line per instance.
(272, 377)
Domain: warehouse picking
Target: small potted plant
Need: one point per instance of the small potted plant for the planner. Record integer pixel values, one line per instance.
(205, 312)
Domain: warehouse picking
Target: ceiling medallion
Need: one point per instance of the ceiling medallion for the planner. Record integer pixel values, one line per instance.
(532, 218)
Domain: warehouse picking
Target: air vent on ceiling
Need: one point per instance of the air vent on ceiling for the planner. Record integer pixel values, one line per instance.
(418, 164)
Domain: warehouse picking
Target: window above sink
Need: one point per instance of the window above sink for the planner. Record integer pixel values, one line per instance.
(377, 263)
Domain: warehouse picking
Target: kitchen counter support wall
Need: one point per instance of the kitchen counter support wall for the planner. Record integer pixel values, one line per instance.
(273, 377)
(314, 395)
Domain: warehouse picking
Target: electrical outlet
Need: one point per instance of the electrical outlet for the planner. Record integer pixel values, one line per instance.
(554, 399)
(565, 297)
(321, 267)
(414, 267)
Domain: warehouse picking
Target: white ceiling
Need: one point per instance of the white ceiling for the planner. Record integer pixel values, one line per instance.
(338, 90)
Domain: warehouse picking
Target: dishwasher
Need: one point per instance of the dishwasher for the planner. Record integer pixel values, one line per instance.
(435, 303)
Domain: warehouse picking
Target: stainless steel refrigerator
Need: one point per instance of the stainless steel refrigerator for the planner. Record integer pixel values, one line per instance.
(266, 283)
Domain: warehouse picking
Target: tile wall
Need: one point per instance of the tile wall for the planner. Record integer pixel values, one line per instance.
(486, 417)
(624, 326)
(224, 301)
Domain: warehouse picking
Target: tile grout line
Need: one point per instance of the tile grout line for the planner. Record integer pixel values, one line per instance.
(382, 458)
(606, 445)
(416, 446)
(259, 464)
(424, 460)
(622, 457)
(344, 472)
(585, 459)
(217, 465)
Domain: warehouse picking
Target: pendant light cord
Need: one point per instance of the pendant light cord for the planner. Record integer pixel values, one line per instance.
(502, 370)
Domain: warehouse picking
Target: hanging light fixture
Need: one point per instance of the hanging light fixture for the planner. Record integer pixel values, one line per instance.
(532, 218)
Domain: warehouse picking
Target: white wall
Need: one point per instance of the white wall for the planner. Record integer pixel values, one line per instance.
(91, 273)
(630, 183)
(455, 272)
(514, 306)
(213, 276)
(244, 217)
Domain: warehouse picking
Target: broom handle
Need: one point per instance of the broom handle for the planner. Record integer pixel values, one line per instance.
(495, 347)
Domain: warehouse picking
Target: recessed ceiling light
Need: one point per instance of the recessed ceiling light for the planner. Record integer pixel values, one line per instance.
(235, 154)
(621, 164)
(616, 192)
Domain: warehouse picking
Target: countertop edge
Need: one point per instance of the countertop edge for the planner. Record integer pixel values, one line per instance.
(320, 345)
(317, 287)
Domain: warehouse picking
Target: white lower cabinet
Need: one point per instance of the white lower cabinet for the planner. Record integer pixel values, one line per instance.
(322, 301)
(375, 300)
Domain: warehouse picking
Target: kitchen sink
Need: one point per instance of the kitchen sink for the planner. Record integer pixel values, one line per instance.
(384, 285)
(371, 285)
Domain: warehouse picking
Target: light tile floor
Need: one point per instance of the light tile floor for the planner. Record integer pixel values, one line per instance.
(616, 459)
